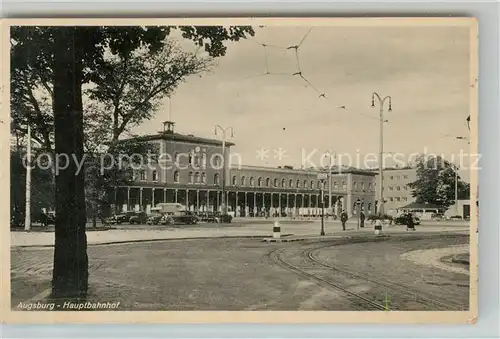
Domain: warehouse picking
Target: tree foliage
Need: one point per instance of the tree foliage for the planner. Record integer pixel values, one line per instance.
(435, 182)
(49, 66)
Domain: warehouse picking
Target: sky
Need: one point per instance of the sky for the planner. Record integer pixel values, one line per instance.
(425, 70)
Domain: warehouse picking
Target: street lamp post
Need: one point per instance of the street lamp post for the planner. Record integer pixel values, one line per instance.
(322, 177)
(331, 155)
(224, 131)
(358, 204)
(381, 147)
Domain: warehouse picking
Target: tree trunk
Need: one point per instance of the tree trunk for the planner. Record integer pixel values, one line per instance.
(70, 274)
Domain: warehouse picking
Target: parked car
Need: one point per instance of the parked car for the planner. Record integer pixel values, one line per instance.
(181, 217)
(122, 217)
(139, 218)
(154, 219)
(402, 219)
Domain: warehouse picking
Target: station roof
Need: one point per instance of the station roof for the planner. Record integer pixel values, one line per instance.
(172, 136)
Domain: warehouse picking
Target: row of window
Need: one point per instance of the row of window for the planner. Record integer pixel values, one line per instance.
(398, 188)
(201, 178)
(276, 183)
(398, 177)
(398, 199)
(194, 177)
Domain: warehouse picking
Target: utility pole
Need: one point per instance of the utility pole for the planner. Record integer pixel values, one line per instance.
(27, 213)
(381, 145)
(224, 131)
(322, 177)
(456, 189)
(331, 155)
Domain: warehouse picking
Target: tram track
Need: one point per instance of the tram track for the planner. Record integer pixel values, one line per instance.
(333, 276)
(275, 256)
(417, 295)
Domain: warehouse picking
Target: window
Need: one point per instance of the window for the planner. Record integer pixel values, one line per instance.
(354, 185)
(268, 182)
(369, 207)
(243, 181)
(190, 159)
(203, 178)
(275, 182)
(344, 185)
(398, 199)
(259, 182)
(191, 180)
(298, 183)
(216, 179)
(176, 176)
(290, 184)
(197, 177)
(283, 183)
(252, 181)
(318, 184)
(391, 199)
(312, 184)
(143, 175)
(369, 186)
(405, 198)
(398, 188)
(305, 183)
(392, 178)
(363, 185)
(234, 180)
(391, 188)
(405, 177)
(335, 186)
(154, 175)
(217, 161)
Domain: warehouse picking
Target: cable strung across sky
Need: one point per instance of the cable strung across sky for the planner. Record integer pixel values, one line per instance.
(298, 73)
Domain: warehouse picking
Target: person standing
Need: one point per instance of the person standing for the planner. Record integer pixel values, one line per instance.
(362, 219)
(343, 219)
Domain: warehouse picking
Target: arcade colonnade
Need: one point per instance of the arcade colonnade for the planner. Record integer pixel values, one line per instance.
(242, 203)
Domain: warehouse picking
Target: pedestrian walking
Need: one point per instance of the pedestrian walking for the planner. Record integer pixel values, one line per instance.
(362, 219)
(410, 225)
(343, 219)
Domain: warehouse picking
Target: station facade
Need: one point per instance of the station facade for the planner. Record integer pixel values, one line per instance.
(189, 170)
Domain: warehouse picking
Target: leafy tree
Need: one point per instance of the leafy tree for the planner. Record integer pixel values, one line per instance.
(69, 57)
(435, 182)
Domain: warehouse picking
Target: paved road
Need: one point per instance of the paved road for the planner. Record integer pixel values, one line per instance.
(215, 274)
(259, 229)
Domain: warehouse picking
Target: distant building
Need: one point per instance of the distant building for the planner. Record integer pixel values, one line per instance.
(193, 177)
(397, 193)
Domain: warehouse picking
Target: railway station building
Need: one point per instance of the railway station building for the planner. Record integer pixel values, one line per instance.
(192, 169)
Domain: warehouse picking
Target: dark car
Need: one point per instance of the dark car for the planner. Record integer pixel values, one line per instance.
(47, 219)
(122, 217)
(138, 218)
(208, 217)
(403, 218)
(186, 217)
(154, 219)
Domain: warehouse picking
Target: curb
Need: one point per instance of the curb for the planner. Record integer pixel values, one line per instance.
(155, 240)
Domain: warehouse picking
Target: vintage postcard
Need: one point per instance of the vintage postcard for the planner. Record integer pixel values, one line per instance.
(298, 170)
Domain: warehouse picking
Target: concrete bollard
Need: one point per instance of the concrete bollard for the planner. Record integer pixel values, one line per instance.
(276, 230)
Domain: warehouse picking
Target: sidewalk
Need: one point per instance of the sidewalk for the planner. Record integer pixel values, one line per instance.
(260, 230)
